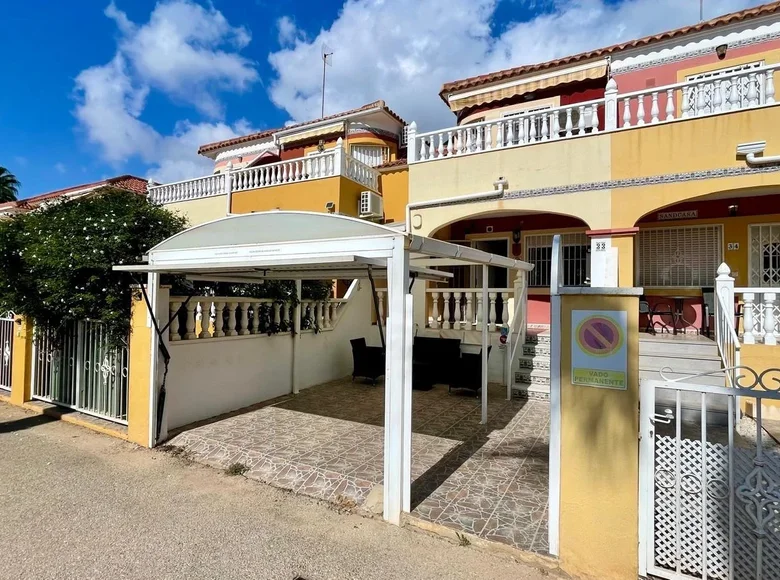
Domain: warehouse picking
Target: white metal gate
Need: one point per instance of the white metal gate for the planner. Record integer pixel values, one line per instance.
(81, 370)
(7, 347)
(709, 481)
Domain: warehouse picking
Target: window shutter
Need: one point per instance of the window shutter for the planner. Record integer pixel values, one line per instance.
(679, 256)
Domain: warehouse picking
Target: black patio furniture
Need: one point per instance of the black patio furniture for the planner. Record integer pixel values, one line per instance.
(650, 311)
(368, 361)
(469, 372)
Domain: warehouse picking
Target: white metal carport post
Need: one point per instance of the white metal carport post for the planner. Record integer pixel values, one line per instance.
(398, 389)
(485, 338)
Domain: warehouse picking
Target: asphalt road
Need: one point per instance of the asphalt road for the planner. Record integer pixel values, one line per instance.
(75, 504)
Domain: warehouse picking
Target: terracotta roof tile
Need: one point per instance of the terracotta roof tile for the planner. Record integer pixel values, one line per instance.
(390, 164)
(742, 15)
(268, 132)
(129, 182)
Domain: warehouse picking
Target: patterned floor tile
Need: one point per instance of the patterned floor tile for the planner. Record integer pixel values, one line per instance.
(328, 442)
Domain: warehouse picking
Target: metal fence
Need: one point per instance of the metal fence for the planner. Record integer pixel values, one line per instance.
(79, 368)
(7, 346)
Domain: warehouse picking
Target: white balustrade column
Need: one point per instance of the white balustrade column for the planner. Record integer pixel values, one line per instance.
(380, 302)
(326, 315)
(411, 142)
(640, 110)
(480, 311)
(769, 87)
(770, 330)
(654, 108)
(670, 105)
(190, 324)
(319, 315)
(445, 317)
(457, 296)
(626, 112)
(286, 314)
(434, 323)
(277, 315)
(717, 98)
(255, 317)
(174, 316)
(748, 317)
(219, 308)
(610, 105)
(204, 314)
(231, 322)
(468, 321)
(244, 319)
(752, 93)
(492, 319)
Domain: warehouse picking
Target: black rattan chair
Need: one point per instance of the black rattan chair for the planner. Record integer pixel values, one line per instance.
(368, 361)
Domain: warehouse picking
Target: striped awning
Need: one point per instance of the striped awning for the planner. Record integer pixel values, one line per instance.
(314, 132)
(530, 85)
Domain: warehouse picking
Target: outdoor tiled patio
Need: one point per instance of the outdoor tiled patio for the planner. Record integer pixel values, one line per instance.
(327, 442)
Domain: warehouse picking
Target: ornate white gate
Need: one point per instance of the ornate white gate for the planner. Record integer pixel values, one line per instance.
(709, 481)
(80, 369)
(6, 349)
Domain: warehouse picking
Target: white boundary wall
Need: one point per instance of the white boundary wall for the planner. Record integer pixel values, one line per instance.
(214, 376)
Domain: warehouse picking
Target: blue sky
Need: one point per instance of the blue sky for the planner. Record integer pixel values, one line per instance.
(95, 89)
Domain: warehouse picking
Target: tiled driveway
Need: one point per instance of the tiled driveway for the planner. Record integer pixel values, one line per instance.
(327, 442)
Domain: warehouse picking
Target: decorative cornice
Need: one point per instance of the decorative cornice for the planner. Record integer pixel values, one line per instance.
(678, 53)
(613, 233)
(642, 181)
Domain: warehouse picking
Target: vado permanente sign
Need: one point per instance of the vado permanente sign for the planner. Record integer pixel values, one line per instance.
(598, 349)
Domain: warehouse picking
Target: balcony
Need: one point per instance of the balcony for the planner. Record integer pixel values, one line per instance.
(742, 90)
(328, 164)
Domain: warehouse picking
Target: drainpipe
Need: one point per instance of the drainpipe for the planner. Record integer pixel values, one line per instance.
(499, 187)
(750, 150)
(229, 187)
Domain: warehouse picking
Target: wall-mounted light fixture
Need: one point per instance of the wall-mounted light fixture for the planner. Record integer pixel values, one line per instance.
(720, 50)
(517, 235)
(733, 210)
(330, 207)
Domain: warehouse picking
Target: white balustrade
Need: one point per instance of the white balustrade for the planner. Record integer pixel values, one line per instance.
(329, 163)
(523, 129)
(734, 91)
(221, 317)
(760, 314)
(461, 308)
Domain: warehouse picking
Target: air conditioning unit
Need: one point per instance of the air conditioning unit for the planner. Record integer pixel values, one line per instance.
(371, 205)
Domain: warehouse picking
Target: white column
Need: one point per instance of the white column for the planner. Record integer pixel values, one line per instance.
(231, 322)
(326, 315)
(397, 462)
(174, 316)
(457, 296)
(640, 110)
(255, 317)
(626, 112)
(752, 93)
(654, 108)
(338, 159)
(277, 314)
(485, 342)
(480, 311)
(747, 317)
(411, 145)
(380, 302)
(492, 318)
(445, 316)
(610, 105)
(769, 87)
(244, 319)
(670, 105)
(769, 318)
(468, 323)
(434, 310)
(228, 177)
(218, 319)
(717, 97)
(190, 324)
(724, 288)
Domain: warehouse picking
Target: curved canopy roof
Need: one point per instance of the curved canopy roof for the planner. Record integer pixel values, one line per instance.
(273, 227)
(303, 245)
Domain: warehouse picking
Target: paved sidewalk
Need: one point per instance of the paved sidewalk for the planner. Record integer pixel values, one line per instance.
(74, 504)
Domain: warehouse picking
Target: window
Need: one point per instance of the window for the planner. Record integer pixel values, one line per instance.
(765, 255)
(538, 251)
(373, 155)
(709, 88)
(679, 256)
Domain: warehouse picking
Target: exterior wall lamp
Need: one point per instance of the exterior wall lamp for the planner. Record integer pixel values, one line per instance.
(733, 209)
(720, 50)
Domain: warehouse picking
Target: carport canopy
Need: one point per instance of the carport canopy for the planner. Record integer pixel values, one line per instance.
(295, 245)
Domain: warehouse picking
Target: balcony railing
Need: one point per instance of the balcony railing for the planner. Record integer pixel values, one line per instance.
(462, 308)
(740, 90)
(330, 163)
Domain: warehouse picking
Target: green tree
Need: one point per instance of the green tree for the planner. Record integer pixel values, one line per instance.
(9, 185)
(56, 262)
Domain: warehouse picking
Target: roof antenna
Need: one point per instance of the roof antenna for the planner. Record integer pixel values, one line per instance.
(327, 52)
(701, 10)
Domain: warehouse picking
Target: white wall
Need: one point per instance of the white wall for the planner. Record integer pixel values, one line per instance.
(208, 377)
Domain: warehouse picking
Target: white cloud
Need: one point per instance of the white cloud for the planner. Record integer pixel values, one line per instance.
(60, 167)
(403, 50)
(288, 31)
(178, 53)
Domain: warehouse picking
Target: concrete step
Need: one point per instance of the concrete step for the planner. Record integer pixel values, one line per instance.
(534, 362)
(536, 349)
(537, 337)
(691, 365)
(531, 391)
(715, 379)
(684, 347)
